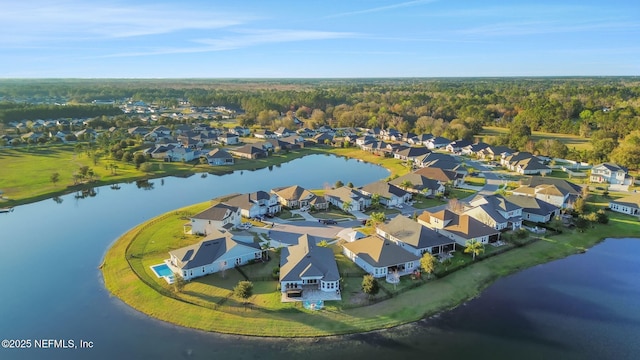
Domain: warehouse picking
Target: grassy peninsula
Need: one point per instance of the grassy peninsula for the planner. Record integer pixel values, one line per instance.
(207, 303)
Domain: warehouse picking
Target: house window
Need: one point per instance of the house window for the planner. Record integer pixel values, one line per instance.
(238, 261)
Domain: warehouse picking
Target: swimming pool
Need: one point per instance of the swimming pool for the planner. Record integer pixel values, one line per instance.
(313, 305)
(163, 271)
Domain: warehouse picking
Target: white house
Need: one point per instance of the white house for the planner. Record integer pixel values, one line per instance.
(626, 205)
(610, 173)
(339, 197)
(461, 228)
(296, 197)
(495, 211)
(217, 217)
(255, 204)
(534, 209)
(217, 252)
(390, 195)
(180, 154)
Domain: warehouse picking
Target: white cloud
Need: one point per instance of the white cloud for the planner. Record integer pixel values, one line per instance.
(383, 8)
(546, 27)
(245, 38)
(47, 21)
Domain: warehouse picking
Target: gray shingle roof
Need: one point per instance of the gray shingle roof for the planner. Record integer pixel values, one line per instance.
(379, 252)
(307, 259)
(414, 234)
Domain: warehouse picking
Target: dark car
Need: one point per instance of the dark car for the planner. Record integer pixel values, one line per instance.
(328, 221)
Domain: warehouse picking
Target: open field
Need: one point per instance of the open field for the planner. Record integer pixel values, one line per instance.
(572, 141)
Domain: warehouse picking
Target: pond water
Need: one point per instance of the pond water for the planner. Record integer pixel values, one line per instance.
(581, 307)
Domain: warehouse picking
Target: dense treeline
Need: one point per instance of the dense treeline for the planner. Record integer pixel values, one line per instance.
(19, 111)
(606, 110)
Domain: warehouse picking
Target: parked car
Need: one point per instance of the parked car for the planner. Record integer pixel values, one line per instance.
(327, 221)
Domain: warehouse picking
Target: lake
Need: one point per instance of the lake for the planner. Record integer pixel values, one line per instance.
(582, 307)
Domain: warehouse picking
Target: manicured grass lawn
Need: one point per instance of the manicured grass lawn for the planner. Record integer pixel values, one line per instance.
(461, 193)
(475, 181)
(288, 215)
(332, 213)
(423, 203)
(395, 166)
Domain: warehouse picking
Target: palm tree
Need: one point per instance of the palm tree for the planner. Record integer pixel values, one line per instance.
(346, 206)
(406, 184)
(474, 247)
(375, 201)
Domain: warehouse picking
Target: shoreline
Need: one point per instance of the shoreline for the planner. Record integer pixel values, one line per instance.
(434, 297)
(245, 165)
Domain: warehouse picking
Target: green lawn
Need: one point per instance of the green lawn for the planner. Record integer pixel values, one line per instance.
(475, 181)
(423, 203)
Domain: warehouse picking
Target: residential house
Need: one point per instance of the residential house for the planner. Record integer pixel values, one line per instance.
(534, 209)
(296, 197)
(325, 129)
(366, 139)
(420, 184)
(159, 151)
(558, 192)
(323, 138)
(441, 175)
(525, 163)
(407, 153)
(215, 218)
(217, 252)
(390, 195)
(136, 130)
(218, 157)
(626, 205)
(255, 204)
(473, 149)
(495, 211)
(249, 151)
(229, 138)
(494, 152)
(265, 134)
(179, 154)
(414, 237)
(459, 227)
(284, 132)
(345, 195)
(420, 139)
(390, 134)
(306, 268)
(240, 131)
(306, 132)
(457, 145)
(381, 257)
(437, 142)
(610, 173)
(377, 147)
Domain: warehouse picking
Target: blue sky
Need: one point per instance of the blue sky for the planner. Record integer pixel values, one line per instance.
(311, 39)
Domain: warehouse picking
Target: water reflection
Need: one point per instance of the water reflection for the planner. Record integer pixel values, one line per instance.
(57, 199)
(144, 184)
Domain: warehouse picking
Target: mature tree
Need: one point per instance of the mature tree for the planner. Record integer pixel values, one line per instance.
(178, 282)
(474, 247)
(370, 285)
(350, 184)
(55, 177)
(138, 159)
(339, 184)
(428, 263)
(147, 167)
(581, 223)
(628, 152)
(323, 243)
(579, 206)
(375, 201)
(243, 290)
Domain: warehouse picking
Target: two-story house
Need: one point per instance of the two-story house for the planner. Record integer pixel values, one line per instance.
(255, 204)
(414, 237)
(495, 211)
(217, 217)
(460, 228)
(611, 174)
